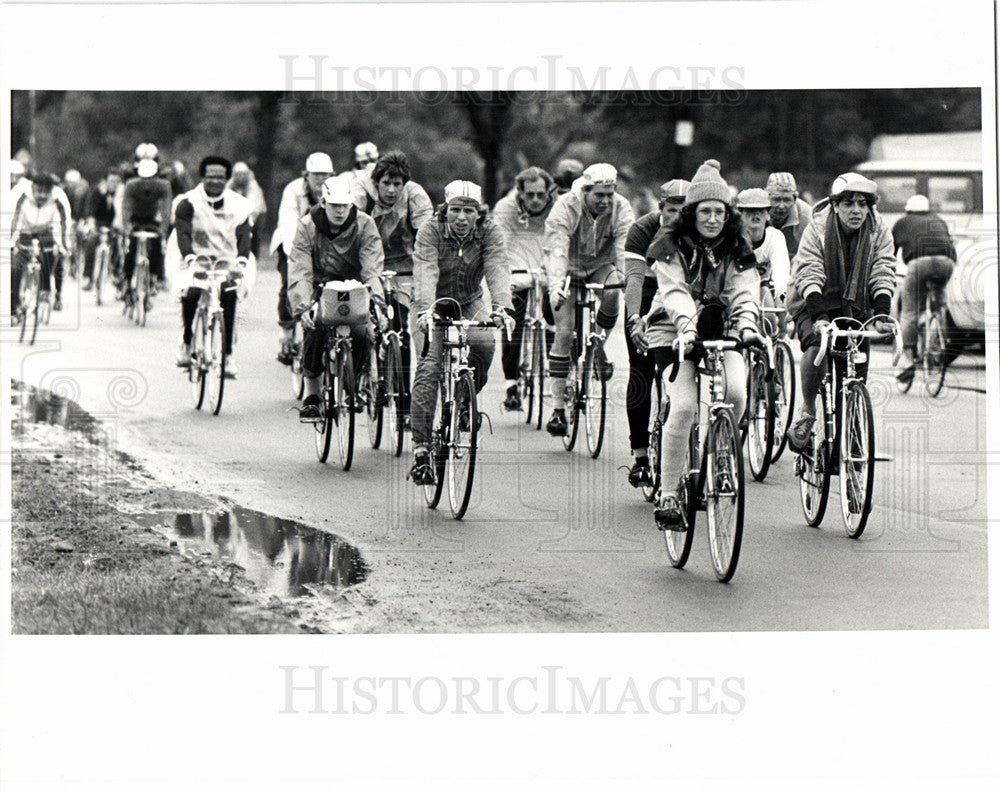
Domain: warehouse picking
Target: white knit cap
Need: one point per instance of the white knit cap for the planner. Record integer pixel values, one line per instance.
(318, 162)
(463, 192)
(853, 182)
(337, 189)
(367, 150)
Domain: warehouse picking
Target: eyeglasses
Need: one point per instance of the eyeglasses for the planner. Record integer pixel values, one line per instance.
(535, 195)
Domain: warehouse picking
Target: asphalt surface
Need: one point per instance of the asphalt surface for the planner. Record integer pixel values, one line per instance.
(553, 541)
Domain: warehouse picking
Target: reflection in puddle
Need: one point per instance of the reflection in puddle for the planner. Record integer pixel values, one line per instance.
(40, 406)
(280, 556)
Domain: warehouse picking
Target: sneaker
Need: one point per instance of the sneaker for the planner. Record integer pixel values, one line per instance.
(310, 411)
(57, 305)
(669, 516)
(286, 356)
(422, 473)
(512, 403)
(605, 369)
(557, 425)
(184, 356)
(905, 375)
(799, 433)
(232, 370)
(640, 474)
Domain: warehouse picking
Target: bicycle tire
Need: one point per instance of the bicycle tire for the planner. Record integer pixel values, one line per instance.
(368, 385)
(857, 450)
(760, 418)
(345, 399)
(596, 400)
(394, 396)
(298, 380)
(724, 484)
(216, 373)
(540, 359)
(462, 445)
(934, 355)
(679, 543)
(919, 359)
(784, 397)
(324, 428)
(438, 450)
(813, 470)
(525, 370)
(656, 423)
(196, 366)
(100, 272)
(574, 394)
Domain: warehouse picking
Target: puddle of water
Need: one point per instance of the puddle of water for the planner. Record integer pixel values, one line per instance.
(40, 406)
(280, 556)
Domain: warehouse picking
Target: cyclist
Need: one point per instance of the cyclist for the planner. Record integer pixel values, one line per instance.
(333, 241)
(844, 267)
(399, 207)
(640, 288)
(56, 265)
(708, 284)
(244, 183)
(768, 245)
(521, 218)
(100, 214)
(298, 197)
(214, 221)
(38, 214)
(566, 172)
(452, 254)
(789, 213)
(922, 240)
(146, 207)
(364, 155)
(585, 237)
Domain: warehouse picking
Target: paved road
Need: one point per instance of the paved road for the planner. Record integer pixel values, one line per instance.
(553, 541)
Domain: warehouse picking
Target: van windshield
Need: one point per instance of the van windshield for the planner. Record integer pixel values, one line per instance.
(894, 191)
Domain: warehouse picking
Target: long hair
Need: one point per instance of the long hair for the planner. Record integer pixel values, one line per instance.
(729, 238)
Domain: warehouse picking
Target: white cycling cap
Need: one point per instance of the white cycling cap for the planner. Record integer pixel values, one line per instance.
(753, 198)
(600, 173)
(463, 192)
(337, 189)
(853, 182)
(366, 150)
(318, 162)
(147, 168)
(917, 203)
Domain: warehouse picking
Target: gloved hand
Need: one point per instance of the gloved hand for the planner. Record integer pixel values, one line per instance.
(637, 332)
(307, 320)
(882, 307)
(751, 337)
(684, 340)
(556, 297)
(815, 307)
(819, 327)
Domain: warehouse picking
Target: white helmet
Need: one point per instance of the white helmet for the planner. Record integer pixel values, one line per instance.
(917, 203)
(71, 176)
(337, 189)
(147, 168)
(319, 162)
(146, 151)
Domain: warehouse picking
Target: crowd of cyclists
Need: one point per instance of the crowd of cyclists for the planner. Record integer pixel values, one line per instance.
(702, 265)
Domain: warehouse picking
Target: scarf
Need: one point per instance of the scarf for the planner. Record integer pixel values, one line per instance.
(848, 262)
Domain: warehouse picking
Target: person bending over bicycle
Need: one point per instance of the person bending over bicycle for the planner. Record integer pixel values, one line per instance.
(640, 288)
(521, 217)
(844, 268)
(146, 207)
(921, 238)
(584, 237)
(399, 208)
(453, 252)
(213, 221)
(100, 214)
(709, 287)
(37, 215)
(769, 247)
(333, 241)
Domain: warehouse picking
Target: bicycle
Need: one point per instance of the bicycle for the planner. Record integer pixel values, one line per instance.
(102, 262)
(392, 390)
(713, 477)
(338, 393)
(766, 406)
(140, 288)
(932, 342)
(35, 307)
(457, 419)
(372, 377)
(298, 380)
(585, 363)
(844, 432)
(783, 382)
(533, 355)
(207, 368)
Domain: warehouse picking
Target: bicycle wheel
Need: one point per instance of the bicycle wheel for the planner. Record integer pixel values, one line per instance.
(575, 394)
(462, 447)
(324, 427)
(139, 306)
(344, 409)
(100, 271)
(813, 470)
(298, 381)
(679, 542)
(784, 397)
(857, 459)
(526, 372)
(935, 349)
(196, 368)
(919, 358)
(655, 438)
(216, 362)
(394, 396)
(540, 354)
(724, 494)
(760, 418)
(368, 391)
(595, 402)
(439, 450)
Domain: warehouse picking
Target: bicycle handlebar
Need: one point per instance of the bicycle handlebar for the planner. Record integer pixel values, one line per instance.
(832, 332)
